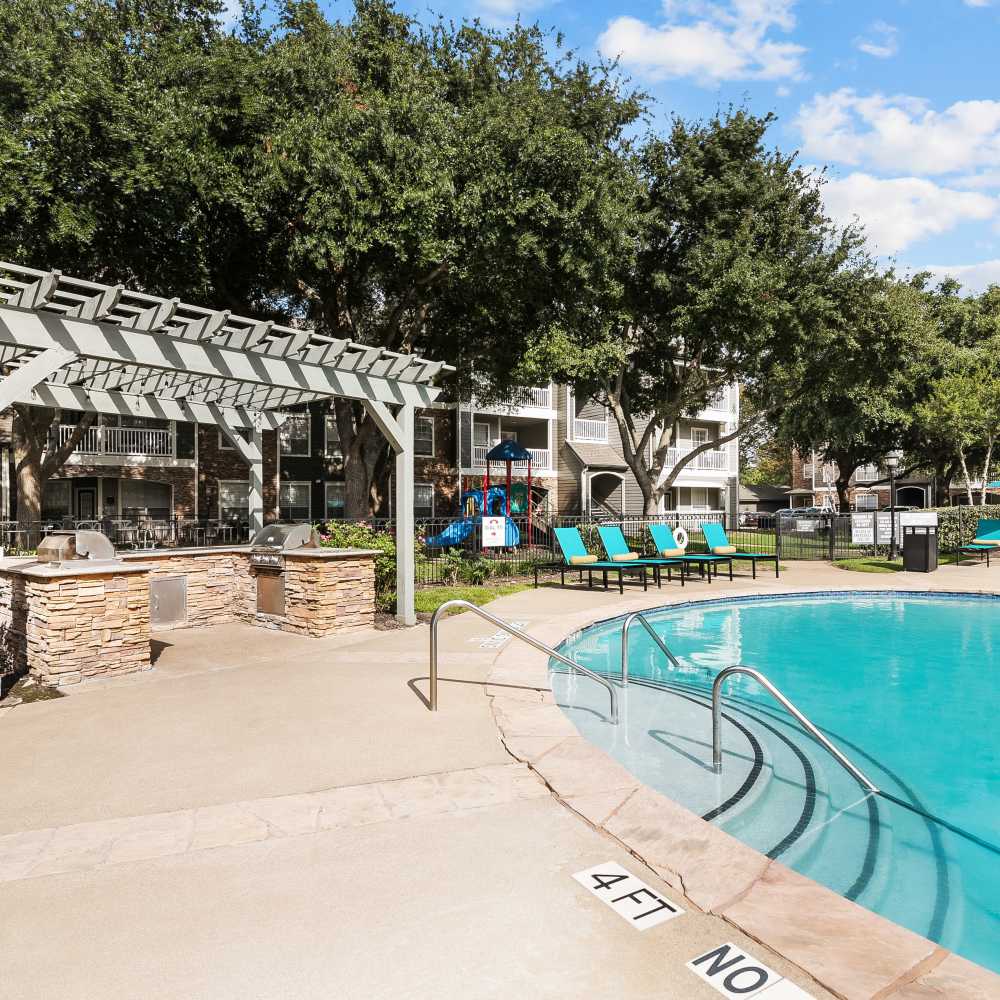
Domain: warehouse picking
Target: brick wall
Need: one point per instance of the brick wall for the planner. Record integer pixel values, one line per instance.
(215, 463)
(182, 481)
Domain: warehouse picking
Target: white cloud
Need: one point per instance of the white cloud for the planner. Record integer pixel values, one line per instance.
(977, 3)
(899, 211)
(709, 41)
(900, 133)
(882, 41)
(974, 278)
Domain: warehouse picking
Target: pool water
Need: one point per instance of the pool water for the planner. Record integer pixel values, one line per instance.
(907, 685)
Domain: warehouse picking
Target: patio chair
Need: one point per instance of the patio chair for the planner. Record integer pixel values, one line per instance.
(576, 557)
(667, 546)
(718, 544)
(618, 551)
(987, 540)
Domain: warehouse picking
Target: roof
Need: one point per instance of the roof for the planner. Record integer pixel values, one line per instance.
(93, 345)
(508, 450)
(799, 493)
(762, 491)
(597, 456)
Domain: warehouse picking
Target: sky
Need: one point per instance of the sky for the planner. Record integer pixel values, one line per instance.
(897, 98)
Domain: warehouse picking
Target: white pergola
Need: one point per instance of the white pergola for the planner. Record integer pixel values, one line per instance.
(80, 345)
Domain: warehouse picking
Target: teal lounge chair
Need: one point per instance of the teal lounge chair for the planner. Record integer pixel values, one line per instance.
(572, 547)
(987, 528)
(615, 545)
(715, 537)
(663, 538)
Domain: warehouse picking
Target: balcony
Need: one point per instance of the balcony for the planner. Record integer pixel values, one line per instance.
(720, 407)
(867, 474)
(715, 460)
(123, 441)
(593, 431)
(532, 398)
(540, 460)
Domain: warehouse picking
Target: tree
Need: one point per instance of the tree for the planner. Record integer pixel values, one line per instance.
(448, 191)
(125, 129)
(728, 282)
(860, 405)
(963, 409)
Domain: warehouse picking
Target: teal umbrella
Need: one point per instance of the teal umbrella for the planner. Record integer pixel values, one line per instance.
(995, 485)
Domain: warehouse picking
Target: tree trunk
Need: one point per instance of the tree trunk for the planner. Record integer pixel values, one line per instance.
(968, 481)
(986, 471)
(29, 499)
(843, 499)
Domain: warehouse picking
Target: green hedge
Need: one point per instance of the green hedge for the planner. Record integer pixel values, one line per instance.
(957, 525)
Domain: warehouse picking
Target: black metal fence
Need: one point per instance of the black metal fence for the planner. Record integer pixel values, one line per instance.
(129, 533)
(451, 551)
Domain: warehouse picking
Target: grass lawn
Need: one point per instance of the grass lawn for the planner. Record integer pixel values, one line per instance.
(874, 564)
(429, 599)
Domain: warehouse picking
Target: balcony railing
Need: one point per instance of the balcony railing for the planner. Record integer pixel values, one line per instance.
(720, 401)
(540, 459)
(714, 460)
(121, 440)
(535, 397)
(595, 431)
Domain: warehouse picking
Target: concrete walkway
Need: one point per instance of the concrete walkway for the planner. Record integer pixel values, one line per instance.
(264, 816)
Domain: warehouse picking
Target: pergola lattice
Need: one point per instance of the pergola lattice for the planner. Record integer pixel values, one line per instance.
(81, 345)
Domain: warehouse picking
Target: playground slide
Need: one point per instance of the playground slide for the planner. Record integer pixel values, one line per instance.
(453, 534)
(458, 531)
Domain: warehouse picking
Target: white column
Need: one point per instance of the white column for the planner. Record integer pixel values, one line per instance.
(405, 559)
(256, 458)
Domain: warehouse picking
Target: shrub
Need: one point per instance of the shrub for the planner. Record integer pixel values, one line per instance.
(957, 525)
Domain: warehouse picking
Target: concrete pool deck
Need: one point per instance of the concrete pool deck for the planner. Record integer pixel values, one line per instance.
(268, 816)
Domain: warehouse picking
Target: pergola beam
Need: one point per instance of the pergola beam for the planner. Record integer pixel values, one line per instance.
(105, 342)
(23, 379)
(72, 397)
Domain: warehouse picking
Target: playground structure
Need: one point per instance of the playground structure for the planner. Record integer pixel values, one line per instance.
(493, 501)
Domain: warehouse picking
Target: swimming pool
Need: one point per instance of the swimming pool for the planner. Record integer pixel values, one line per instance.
(907, 685)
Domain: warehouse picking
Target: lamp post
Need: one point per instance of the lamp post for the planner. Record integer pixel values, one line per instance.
(892, 460)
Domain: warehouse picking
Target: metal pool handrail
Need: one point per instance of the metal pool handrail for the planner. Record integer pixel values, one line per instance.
(724, 675)
(517, 634)
(649, 628)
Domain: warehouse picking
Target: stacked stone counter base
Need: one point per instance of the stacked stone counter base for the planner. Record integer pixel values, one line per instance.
(67, 625)
(64, 623)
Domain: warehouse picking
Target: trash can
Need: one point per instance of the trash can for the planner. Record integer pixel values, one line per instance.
(920, 548)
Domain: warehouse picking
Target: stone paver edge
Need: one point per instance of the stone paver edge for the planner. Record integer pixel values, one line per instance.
(520, 692)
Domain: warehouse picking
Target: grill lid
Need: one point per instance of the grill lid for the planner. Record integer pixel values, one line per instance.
(285, 536)
(61, 546)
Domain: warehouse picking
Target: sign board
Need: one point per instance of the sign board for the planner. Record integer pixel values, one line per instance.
(918, 518)
(862, 529)
(733, 973)
(494, 532)
(805, 524)
(628, 896)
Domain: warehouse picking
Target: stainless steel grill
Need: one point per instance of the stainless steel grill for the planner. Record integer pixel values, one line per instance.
(62, 547)
(267, 557)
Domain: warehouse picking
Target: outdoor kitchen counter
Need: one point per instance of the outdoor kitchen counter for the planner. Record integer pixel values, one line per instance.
(302, 553)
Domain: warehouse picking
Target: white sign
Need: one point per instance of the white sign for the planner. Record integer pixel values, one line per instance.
(918, 518)
(805, 524)
(862, 529)
(494, 531)
(628, 896)
(733, 973)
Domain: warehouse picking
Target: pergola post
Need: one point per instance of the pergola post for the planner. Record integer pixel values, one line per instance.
(405, 558)
(398, 431)
(251, 450)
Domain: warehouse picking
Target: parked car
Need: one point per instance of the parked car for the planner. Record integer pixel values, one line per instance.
(896, 510)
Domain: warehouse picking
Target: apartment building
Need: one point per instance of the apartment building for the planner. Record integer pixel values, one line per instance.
(131, 468)
(814, 484)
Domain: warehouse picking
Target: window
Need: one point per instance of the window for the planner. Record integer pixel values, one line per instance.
(142, 497)
(334, 501)
(225, 444)
(332, 434)
(234, 500)
(294, 502)
(699, 436)
(866, 501)
(423, 500)
(481, 435)
(294, 435)
(423, 436)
